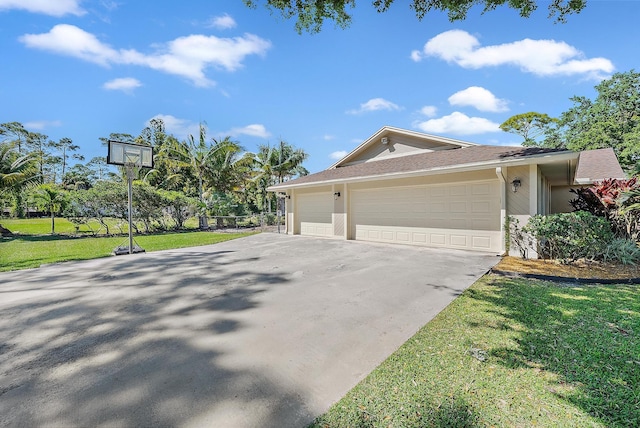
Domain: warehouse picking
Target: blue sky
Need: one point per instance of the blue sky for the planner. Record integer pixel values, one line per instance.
(85, 68)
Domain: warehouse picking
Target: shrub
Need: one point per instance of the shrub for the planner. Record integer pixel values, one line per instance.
(622, 250)
(614, 200)
(570, 236)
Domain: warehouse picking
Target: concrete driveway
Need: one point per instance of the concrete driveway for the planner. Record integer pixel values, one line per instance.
(268, 330)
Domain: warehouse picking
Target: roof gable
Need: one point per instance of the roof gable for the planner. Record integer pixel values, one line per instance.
(390, 142)
(597, 165)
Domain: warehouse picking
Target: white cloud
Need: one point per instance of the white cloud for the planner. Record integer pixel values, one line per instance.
(429, 111)
(480, 98)
(458, 124)
(180, 128)
(187, 56)
(48, 7)
(540, 57)
(338, 155)
(375, 104)
(223, 22)
(124, 84)
(39, 125)
(253, 130)
(328, 137)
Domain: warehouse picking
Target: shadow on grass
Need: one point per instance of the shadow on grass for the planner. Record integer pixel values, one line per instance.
(44, 238)
(454, 412)
(589, 336)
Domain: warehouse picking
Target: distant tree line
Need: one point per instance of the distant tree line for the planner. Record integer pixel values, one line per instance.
(196, 176)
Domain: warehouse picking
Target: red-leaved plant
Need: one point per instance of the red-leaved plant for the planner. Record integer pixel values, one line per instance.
(615, 200)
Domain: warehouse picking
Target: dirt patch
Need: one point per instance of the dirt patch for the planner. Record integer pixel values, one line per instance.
(580, 269)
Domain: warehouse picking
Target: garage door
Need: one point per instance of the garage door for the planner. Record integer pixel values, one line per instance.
(314, 214)
(461, 215)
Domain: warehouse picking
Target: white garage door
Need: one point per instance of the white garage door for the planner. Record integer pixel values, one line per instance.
(461, 215)
(314, 214)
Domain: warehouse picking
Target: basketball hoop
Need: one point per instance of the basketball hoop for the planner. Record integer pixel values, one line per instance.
(130, 156)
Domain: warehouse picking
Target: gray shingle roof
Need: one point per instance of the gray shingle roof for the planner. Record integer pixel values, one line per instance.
(421, 162)
(596, 165)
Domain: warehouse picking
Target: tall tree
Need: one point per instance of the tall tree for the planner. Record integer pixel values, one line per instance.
(79, 177)
(64, 146)
(276, 164)
(612, 119)
(99, 166)
(209, 163)
(117, 136)
(311, 14)
(530, 126)
(14, 132)
(38, 146)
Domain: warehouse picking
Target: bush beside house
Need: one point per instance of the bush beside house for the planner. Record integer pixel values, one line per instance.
(605, 226)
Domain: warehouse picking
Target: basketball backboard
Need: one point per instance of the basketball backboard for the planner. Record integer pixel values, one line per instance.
(120, 153)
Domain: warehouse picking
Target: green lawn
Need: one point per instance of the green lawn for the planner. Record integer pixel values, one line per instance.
(511, 353)
(28, 251)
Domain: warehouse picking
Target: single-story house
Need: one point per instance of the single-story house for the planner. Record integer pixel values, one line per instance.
(406, 187)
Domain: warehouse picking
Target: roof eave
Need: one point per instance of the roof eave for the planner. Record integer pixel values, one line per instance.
(545, 158)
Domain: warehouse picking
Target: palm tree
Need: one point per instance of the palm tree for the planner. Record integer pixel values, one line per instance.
(213, 165)
(275, 165)
(15, 169)
(51, 198)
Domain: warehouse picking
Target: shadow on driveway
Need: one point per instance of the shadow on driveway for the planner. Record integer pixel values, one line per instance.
(241, 333)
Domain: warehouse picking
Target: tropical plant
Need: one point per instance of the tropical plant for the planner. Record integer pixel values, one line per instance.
(614, 200)
(15, 169)
(276, 164)
(209, 164)
(51, 198)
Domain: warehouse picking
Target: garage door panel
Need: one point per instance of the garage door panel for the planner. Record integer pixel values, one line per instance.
(315, 212)
(465, 215)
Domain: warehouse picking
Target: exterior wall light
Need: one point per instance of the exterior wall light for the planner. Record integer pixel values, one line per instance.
(515, 184)
(336, 195)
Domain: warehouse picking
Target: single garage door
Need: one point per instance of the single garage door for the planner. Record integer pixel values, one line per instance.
(461, 215)
(314, 214)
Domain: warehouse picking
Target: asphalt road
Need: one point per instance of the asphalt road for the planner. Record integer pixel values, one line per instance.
(268, 330)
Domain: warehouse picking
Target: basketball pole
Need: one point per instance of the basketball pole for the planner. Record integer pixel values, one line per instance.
(129, 169)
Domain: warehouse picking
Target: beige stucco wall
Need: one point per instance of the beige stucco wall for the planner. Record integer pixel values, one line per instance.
(560, 197)
(518, 202)
(339, 211)
(524, 203)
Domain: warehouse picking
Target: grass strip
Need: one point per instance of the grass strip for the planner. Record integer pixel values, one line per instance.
(510, 352)
(23, 252)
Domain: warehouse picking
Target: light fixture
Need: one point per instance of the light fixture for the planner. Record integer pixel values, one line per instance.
(515, 184)
(336, 195)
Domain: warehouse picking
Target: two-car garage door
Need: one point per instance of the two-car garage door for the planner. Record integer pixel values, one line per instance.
(461, 215)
